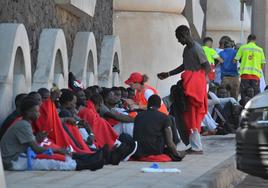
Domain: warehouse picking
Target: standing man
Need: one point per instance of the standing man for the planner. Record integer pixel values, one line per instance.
(252, 61)
(218, 66)
(212, 55)
(195, 66)
(229, 70)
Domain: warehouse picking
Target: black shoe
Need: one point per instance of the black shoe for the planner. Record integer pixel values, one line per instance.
(106, 153)
(82, 156)
(132, 151)
(127, 139)
(123, 152)
(117, 153)
(92, 162)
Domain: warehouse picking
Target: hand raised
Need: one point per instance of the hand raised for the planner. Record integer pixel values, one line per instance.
(163, 75)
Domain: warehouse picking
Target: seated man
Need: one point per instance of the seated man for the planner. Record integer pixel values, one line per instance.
(69, 101)
(45, 93)
(117, 117)
(103, 132)
(49, 126)
(13, 116)
(131, 93)
(224, 110)
(208, 125)
(124, 92)
(36, 96)
(152, 131)
(19, 140)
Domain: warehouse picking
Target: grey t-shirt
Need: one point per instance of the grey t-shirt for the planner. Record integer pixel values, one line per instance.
(15, 140)
(194, 58)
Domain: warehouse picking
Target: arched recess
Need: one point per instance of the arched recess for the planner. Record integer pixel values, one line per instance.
(84, 60)
(15, 65)
(52, 60)
(110, 66)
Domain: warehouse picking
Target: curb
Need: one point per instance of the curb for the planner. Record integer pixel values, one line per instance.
(222, 176)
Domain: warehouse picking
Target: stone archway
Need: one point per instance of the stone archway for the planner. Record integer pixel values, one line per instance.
(110, 60)
(84, 59)
(52, 60)
(15, 63)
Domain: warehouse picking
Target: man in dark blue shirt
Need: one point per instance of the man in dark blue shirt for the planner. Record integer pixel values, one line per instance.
(229, 72)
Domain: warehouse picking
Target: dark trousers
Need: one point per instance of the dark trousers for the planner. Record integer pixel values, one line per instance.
(245, 83)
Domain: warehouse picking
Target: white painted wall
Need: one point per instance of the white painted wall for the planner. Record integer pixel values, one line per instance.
(147, 34)
(223, 18)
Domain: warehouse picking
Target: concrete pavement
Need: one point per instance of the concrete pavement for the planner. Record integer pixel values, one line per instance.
(217, 149)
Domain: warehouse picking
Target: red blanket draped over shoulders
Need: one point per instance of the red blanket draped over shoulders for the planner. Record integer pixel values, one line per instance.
(77, 135)
(50, 122)
(104, 133)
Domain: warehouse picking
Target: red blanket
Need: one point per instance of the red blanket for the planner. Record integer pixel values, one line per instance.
(194, 85)
(55, 156)
(112, 121)
(76, 134)
(50, 122)
(156, 158)
(104, 133)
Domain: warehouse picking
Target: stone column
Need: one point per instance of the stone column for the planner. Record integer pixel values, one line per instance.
(147, 34)
(223, 18)
(260, 27)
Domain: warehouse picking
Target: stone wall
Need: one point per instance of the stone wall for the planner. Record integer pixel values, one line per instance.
(39, 14)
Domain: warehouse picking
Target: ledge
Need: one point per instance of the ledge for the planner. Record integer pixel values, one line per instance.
(78, 7)
(169, 6)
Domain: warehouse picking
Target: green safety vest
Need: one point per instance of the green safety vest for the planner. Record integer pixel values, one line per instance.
(211, 54)
(252, 58)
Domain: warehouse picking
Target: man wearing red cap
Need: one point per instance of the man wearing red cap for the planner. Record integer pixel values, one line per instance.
(143, 91)
(195, 66)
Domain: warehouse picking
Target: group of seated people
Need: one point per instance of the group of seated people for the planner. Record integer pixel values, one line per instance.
(80, 128)
(77, 128)
(223, 110)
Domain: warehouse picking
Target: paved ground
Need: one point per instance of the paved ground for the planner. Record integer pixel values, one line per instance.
(128, 175)
(253, 182)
